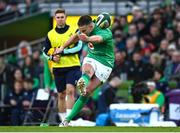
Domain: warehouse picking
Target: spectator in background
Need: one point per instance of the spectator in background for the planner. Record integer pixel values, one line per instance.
(178, 43)
(119, 40)
(28, 67)
(163, 49)
(130, 48)
(24, 50)
(3, 6)
(29, 71)
(136, 69)
(123, 24)
(17, 76)
(171, 48)
(37, 64)
(107, 95)
(157, 19)
(169, 36)
(141, 26)
(154, 96)
(137, 13)
(14, 9)
(14, 99)
(120, 66)
(169, 14)
(146, 49)
(177, 34)
(173, 67)
(161, 83)
(6, 78)
(36, 58)
(156, 61)
(155, 35)
(133, 32)
(28, 93)
(31, 6)
(116, 24)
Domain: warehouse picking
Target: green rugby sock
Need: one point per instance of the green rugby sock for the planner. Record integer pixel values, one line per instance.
(82, 100)
(86, 78)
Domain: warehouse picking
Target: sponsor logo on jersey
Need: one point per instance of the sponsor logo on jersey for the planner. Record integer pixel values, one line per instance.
(90, 45)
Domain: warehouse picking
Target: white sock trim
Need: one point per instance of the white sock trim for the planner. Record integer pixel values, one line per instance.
(68, 111)
(62, 115)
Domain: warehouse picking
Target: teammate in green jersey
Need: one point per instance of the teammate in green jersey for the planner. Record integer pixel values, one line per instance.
(98, 64)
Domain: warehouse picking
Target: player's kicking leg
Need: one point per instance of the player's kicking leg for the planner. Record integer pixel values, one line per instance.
(82, 100)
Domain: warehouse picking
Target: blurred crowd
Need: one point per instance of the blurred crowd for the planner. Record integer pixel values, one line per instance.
(20, 76)
(147, 49)
(9, 9)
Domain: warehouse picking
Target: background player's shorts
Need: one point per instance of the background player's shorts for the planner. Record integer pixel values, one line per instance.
(63, 76)
(102, 72)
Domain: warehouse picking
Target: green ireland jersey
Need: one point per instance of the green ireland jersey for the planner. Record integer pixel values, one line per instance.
(102, 52)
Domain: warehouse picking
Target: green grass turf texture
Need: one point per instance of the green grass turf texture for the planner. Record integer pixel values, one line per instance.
(87, 129)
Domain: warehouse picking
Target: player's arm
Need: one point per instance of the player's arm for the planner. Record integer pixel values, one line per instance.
(102, 36)
(73, 39)
(73, 50)
(93, 39)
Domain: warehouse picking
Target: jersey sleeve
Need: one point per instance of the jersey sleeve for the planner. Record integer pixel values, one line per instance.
(74, 49)
(105, 35)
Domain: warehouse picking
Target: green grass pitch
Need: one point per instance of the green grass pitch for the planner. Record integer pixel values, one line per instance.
(87, 129)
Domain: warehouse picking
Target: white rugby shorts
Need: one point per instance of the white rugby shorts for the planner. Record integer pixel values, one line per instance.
(102, 72)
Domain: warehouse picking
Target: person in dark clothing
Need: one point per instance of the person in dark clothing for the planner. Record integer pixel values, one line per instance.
(120, 66)
(28, 92)
(14, 99)
(107, 95)
(161, 83)
(155, 35)
(29, 68)
(136, 69)
(6, 77)
(119, 40)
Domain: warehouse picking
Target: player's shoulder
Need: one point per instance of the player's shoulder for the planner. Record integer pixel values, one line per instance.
(105, 31)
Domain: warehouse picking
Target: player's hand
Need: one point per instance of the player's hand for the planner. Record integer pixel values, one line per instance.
(56, 58)
(59, 50)
(83, 37)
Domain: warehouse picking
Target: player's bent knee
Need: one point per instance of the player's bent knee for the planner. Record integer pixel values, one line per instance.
(88, 69)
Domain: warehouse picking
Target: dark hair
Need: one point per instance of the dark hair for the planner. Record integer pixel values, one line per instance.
(60, 11)
(29, 80)
(84, 20)
(159, 70)
(16, 81)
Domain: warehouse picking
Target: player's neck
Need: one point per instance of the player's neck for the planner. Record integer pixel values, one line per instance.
(61, 26)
